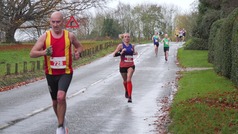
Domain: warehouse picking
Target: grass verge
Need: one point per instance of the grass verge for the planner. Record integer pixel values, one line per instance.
(10, 81)
(205, 102)
(193, 58)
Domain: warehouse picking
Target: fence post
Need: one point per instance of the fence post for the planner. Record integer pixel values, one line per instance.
(93, 51)
(43, 65)
(33, 63)
(8, 69)
(16, 68)
(82, 54)
(38, 65)
(24, 66)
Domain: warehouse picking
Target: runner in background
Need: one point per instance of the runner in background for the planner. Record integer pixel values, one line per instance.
(156, 39)
(126, 50)
(184, 34)
(177, 34)
(180, 35)
(165, 42)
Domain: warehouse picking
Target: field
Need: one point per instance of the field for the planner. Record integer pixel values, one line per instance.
(19, 53)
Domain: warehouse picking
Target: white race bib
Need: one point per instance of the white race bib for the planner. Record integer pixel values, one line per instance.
(58, 62)
(128, 58)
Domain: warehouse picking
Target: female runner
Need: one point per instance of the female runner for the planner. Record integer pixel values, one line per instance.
(127, 67)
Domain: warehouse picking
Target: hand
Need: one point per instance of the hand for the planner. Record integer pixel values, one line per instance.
(49, 51)
(76, 55)
(123, 50)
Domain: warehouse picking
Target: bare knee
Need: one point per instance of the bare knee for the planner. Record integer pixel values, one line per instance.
(61, 97)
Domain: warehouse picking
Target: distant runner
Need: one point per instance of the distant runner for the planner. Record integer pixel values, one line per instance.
(156, 39)
(166, 41)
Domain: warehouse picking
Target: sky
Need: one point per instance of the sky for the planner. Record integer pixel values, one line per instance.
(185, 5)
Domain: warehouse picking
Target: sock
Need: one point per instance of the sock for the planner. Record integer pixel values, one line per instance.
(61, 125)
(129, 88)
(125, 85)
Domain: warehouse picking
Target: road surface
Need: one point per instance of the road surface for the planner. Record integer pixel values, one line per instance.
(95, 99)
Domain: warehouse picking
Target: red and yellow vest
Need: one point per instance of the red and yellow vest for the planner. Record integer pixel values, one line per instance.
(60, 62)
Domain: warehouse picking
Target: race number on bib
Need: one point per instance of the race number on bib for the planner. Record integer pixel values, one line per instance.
(58, 62)
(128, 58)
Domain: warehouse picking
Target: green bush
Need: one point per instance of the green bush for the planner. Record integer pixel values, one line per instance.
(217, 61)
(212, 41)
(204, 24)
(234, 51)
(225, 44)
(228, 6)
(196, 44)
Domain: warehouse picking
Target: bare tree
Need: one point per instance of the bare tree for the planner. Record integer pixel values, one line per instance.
(147, 18)
(169, 12)
(14, 13)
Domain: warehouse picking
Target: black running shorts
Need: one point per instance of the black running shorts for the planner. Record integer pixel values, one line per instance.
(124, 69)
(166, 49)
(58, 82)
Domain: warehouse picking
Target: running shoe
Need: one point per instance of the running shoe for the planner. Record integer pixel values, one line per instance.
(65, 126)
(60, 130)
(129, 100)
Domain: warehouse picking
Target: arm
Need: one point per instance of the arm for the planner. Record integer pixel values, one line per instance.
(77, 45)
(117, 51)
(37, 50)
(135, 52)
(162, 41)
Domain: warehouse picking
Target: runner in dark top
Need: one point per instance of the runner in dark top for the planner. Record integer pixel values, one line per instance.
(127, 67)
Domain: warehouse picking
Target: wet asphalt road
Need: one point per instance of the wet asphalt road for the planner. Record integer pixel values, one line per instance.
(95, 99)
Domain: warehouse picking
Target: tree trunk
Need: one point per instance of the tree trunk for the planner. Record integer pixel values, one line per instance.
(10, 35)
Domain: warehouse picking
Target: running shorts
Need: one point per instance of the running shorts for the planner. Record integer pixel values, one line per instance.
(58, 82)
(124, 69)
(166, 49)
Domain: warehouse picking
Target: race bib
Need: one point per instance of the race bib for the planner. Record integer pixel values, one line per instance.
(58, 62)
(128, 58)
(156, 40)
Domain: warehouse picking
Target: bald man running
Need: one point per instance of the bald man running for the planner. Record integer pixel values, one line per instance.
(55, 46)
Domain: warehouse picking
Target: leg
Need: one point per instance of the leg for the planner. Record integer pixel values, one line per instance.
(129, 83)
(156, 50)
(166, 55)
(124, 77)
(55, 106)
(61, 107)
(53, 89)
(63, 86)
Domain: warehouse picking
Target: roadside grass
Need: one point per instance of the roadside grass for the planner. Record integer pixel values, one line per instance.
(205, 102)
(7, 82)
(194, 58)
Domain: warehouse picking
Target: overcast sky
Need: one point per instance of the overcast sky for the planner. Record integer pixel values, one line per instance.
(185, 5)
